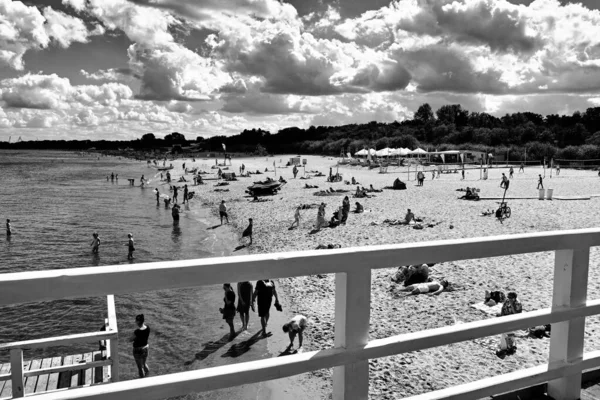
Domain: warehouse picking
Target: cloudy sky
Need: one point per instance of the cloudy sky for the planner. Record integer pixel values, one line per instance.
(115, 69)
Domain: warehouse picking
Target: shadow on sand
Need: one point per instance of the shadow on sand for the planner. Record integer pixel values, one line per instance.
(210, 348)
(240, 247)
(288, 352)
(215, 227)
(241, 348)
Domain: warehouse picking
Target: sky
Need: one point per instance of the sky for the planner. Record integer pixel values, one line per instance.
(116, 69)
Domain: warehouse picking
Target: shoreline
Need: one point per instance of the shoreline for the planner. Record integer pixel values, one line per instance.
(225, 239)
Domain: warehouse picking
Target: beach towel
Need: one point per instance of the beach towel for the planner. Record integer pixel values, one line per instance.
(492, 311)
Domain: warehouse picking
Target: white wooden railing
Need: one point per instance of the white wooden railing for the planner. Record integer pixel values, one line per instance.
(111, 336)
(352, 350)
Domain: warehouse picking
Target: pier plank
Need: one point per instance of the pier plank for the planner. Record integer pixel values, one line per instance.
(64, 378)
(4, 369)
(76, 375)
(86, 374)
(7, 391)
(30, 381)
(53, 378)
(42, 382)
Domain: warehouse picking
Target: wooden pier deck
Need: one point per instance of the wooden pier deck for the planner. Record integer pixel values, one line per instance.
(58, 380)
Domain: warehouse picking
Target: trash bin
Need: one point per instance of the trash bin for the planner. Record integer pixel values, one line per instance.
(549, 194)
(542, 193)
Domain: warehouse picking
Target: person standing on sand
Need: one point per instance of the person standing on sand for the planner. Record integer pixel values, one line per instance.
(185, 194)
(248, 231)
(140, 345)
(296, 217)
(8, 228)
(522, 167)
(511, 172)
(228, 309)
(504, 182)
(223, 211)
(293, 327)
(540, 182)
(295, 171)
(463, 174)
(244, 292)
(95, 242)
(263, 295)
(346, 209)
(131, 247)
(321, 217)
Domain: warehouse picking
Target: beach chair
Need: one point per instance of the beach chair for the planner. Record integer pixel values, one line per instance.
(383, 170)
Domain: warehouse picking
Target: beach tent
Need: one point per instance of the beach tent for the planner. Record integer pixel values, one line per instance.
(402, 151)
(384, 152)
(372, 152)
(418, 151)
(362, 152)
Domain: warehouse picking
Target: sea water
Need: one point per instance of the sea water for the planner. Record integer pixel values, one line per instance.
(55, 201)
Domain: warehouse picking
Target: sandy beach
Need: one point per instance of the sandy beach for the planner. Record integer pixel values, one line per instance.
(437, 204)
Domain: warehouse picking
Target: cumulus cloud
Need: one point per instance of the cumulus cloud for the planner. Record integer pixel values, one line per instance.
(111, 74)
(53, 92)
(25, 27)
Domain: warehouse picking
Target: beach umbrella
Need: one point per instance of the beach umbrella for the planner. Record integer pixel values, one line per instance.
(362, 152)
(372, 152)
(383, 152)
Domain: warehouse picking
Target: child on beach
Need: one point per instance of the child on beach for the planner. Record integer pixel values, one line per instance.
(8, 228)
(296, 217)
(131, 247)
(295, 326)
(95, 242)
(223, 211)
(248, 231)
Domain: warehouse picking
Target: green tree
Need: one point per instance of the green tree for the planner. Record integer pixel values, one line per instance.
(424, 114)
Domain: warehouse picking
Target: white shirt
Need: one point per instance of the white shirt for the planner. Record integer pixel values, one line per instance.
(298, 323)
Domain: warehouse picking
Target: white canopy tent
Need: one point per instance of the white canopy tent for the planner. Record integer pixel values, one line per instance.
(384, 152)
(362, 152)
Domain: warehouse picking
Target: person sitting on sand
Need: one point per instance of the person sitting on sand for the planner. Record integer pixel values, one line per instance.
(354, 181)
(282, 180)
(359, 208)
(293, 327)
(358, 192)
(511, 306)
(409, 217)
(430, 288)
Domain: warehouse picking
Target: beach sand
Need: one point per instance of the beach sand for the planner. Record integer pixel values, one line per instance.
(530, 275)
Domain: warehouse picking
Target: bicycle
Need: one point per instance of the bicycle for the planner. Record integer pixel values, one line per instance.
(503, 212)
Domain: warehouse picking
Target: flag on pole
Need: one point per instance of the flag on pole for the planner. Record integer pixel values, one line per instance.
(224, 148)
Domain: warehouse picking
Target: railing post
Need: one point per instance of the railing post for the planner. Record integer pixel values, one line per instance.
(566, 343)
(16, 372)
(113, 344)
(352, 319)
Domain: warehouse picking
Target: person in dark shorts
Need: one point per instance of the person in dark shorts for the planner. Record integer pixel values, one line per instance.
(248, 231)
(223, 211)
(131, 246)
(140, 345)
(244, 292)
(263, 295)
(228, 309)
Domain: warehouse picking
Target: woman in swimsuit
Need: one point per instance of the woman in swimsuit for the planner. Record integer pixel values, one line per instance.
(430, 288)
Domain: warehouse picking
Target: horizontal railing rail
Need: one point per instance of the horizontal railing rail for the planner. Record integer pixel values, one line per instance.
(352, 350)
(87, 337)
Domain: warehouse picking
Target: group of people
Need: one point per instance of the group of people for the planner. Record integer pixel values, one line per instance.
(96, 244)
(340, 216)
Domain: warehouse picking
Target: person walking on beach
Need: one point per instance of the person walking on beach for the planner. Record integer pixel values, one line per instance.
(540, 182)
(511, 306)
(244, 292)
(504, 182)
(557, 169)
(248, 231)
(463, 174)
(320, 217)
(296, 218)
(295, 171)
(346, 209)
(263, 295)
(522, 167)
(228, 309)
(175, 189)
(223, 211)
(140, 345)
(131, 247)
(168, 177)
(293, 327)
(8, 228)
(157, 196)
(511, 172)
(95, 242)
(185, 194)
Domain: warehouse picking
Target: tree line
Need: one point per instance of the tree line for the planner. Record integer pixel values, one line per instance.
(575, 136)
